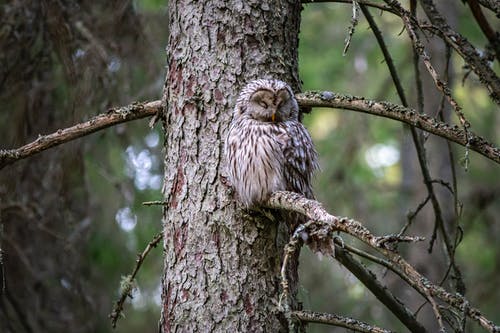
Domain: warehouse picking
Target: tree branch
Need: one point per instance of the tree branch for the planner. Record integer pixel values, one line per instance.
(421, 154)
(363, 274)
(411, 25)
(463, 47)
(331, 224)
(328, 99)
(128, 280)
(400, 113)
(352, 27)
(334, 320)
(387, 56)
(112, 117)
(491, 35)
(366, 277)
(361, 2)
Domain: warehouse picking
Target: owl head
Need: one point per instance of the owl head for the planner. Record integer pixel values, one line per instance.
(267, 100)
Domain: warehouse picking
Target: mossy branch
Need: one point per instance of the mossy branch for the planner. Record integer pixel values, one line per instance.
(112, 117)
(402, 114)
(325, 225)
(328, 99)
(128, 282)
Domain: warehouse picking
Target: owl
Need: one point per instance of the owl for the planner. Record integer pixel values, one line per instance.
(267, 149)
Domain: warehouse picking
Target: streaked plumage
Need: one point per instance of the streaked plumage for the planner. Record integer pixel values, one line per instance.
(267, 148)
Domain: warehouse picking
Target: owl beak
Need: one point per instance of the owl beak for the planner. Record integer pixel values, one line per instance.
(273, 117)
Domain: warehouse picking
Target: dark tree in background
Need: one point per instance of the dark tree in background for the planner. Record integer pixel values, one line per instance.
(71, 218)
(61, 62)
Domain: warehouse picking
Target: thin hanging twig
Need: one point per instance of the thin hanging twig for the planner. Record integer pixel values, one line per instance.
(352, 27)
(128, 280)
(463, 47)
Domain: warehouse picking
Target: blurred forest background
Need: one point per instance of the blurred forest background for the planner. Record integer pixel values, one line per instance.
(61, 63)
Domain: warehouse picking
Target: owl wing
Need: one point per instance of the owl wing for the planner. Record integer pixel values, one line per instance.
(301, 159)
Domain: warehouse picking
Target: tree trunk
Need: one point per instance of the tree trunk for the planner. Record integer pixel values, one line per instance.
(221, 263)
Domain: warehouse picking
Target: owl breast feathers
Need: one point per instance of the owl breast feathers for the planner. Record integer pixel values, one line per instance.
(267, 148)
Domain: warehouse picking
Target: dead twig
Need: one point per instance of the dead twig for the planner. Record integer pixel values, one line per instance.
(112, 117)
(492, 36)
(128, 281)
(335, 320)
(358, 270)
(308, 99)
(352, 27)
(365, 276)
(372, 4)
(460, 44)
(403, 114)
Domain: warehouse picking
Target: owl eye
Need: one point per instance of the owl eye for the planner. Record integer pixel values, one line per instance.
(263, 104)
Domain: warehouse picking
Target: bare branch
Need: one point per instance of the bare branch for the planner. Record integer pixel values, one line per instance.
(422, 158)
(118, 308)
(284, 301)
(381, 261)
(366, 277)
(491, 35)
(417, 139)
(155, 203)
(361, 2)
(387, 56)
(400, 113)
(335, 320)
(330, 224)
(410, 216)
(112, 117)
(352, 27)
(308, 99)
(411, 26)
(356, 268)
(466, 50)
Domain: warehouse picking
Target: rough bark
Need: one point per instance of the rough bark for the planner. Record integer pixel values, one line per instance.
(221, 263)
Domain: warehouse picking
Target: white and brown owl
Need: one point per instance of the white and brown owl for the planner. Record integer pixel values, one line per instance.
(267, 148)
